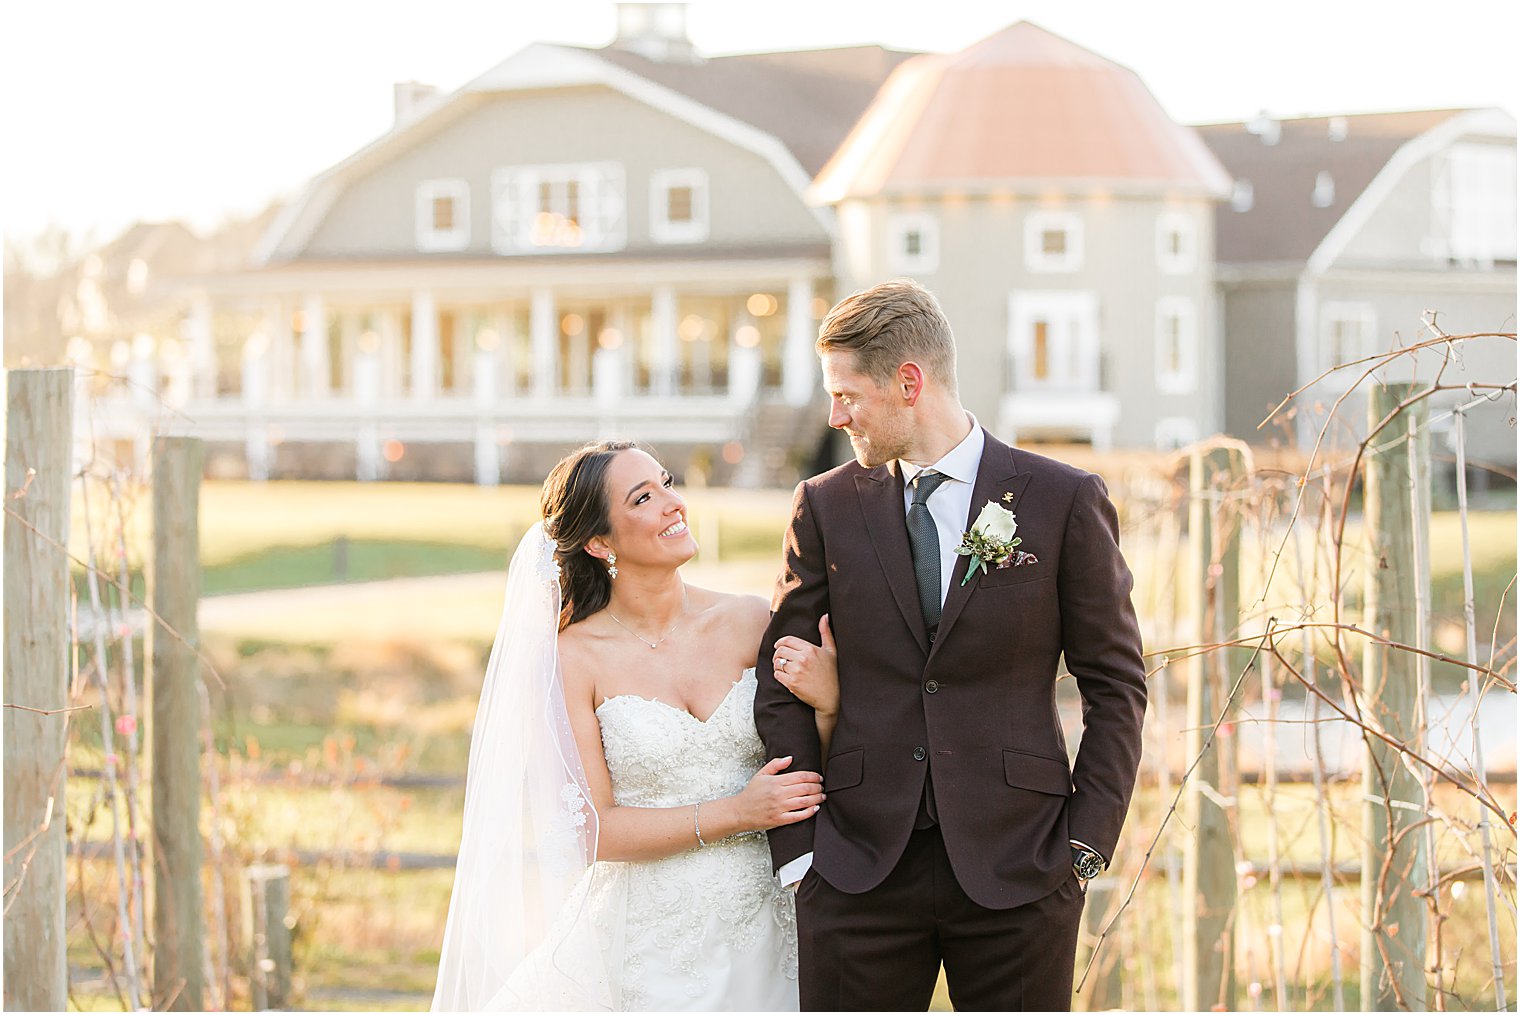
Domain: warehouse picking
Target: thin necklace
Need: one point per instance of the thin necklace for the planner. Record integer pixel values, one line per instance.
(667, 634)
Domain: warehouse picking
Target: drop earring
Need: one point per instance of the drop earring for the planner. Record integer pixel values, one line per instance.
(611, 564)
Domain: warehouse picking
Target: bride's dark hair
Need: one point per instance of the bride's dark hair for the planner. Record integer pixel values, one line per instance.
(574, 504)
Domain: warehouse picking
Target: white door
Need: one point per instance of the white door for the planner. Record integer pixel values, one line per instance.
(1053, 341)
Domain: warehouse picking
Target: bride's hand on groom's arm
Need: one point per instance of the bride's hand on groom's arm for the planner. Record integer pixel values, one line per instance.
(810, 671)
(773, 797)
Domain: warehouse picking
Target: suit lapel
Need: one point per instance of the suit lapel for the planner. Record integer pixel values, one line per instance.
(881, 502)
(996, 476)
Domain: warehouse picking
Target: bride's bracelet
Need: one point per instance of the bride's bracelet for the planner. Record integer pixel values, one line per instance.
(696, 820)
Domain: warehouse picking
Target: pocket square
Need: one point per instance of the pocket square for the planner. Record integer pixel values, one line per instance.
(1019, 558)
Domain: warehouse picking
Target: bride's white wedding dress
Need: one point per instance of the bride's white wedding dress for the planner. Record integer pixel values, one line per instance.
(709, 929)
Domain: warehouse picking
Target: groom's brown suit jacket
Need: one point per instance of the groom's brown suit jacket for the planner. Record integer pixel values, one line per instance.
(973, 711)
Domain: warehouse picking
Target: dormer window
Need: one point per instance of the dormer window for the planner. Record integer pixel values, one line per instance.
(558, 209)
(1324, 190)
(913, 243)
(678, 206)
(1242, 195)
(1053, 241)
(443, 215)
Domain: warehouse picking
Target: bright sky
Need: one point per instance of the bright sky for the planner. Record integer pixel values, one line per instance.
(115, 111)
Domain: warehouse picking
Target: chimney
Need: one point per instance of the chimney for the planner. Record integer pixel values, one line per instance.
(656, 31)
(408, 95)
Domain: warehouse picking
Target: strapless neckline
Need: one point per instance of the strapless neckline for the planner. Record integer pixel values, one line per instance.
(748, 674)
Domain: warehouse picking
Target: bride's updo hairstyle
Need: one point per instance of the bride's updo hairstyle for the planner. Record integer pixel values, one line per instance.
(575, 512)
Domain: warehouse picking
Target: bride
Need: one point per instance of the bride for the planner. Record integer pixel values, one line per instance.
(613, 854)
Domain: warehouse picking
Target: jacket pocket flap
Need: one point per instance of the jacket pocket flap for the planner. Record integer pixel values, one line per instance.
(844, 770)
(1036, 772)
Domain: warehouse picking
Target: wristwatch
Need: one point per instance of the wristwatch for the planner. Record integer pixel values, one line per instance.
(1086, 863)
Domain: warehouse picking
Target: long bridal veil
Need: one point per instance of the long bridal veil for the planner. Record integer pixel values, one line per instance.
(529, 835)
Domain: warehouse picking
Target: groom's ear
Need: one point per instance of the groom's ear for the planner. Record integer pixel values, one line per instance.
(910, 382)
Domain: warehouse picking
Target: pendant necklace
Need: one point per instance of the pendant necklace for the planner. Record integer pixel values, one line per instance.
(640, 637)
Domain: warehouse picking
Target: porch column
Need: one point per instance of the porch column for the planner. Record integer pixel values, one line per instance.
(506, 352)
(391, 368)
(316, 371)
(199, 338)
(544, 330)
(350, 327)
(744, 365)
(665, 351)
(281, 353)
(799, 363)
(424, 346)
(486, 371)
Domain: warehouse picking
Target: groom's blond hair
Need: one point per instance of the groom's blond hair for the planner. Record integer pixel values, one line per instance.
(889, 324)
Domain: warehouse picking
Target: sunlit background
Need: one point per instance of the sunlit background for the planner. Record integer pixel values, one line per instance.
(389, 262)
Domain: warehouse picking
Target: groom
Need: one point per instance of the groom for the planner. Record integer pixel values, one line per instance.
(954, 830)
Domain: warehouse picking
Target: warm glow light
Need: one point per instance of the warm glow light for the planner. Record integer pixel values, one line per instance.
(1001, 197)
(820, 308)
(80, 351)
(256, 345)
(747, 336)
(610, 338)
(953, 199)
(143, 344)
(1052, 198)
(393, 450)
(120, 353)
(369, 342)
(691, 328)
(733, 452)
(298, 321)
(572, 324)
(761, 304)
(1101, 198)
(487, 340)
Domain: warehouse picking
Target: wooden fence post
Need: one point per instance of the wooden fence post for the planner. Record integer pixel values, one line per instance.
(39, 436)
(267, 906)
(179, 978)
(1394, 861)
(1213, 572)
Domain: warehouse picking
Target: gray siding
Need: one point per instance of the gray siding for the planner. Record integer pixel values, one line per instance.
(981, 265)
(1259, 333)
(751, 205)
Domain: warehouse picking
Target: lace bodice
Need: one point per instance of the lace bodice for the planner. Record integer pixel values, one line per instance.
(663, 756)
(723, 897)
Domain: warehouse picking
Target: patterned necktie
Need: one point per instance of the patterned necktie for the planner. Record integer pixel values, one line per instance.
(923, 537)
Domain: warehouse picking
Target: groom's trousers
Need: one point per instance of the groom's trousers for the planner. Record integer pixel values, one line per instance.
(881, 950)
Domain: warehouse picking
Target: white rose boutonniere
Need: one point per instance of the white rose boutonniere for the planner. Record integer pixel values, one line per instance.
(993, 539)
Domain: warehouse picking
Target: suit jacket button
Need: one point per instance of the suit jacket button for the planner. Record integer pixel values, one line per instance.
(919, 754)
(932, 686)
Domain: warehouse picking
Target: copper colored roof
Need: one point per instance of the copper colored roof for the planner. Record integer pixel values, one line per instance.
(1021, 105)
(1281, 223)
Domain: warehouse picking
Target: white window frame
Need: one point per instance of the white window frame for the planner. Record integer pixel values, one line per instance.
(1174, 432)
(1474, 199)
(899, 259)
(1333, 313)
(661, 229)
(1185, 260)
(430, 240)
(1185, 313)
(1072, 319)
(1035, 226)
(601, 205)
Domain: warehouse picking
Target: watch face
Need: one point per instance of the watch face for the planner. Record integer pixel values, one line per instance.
(1088, 866)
